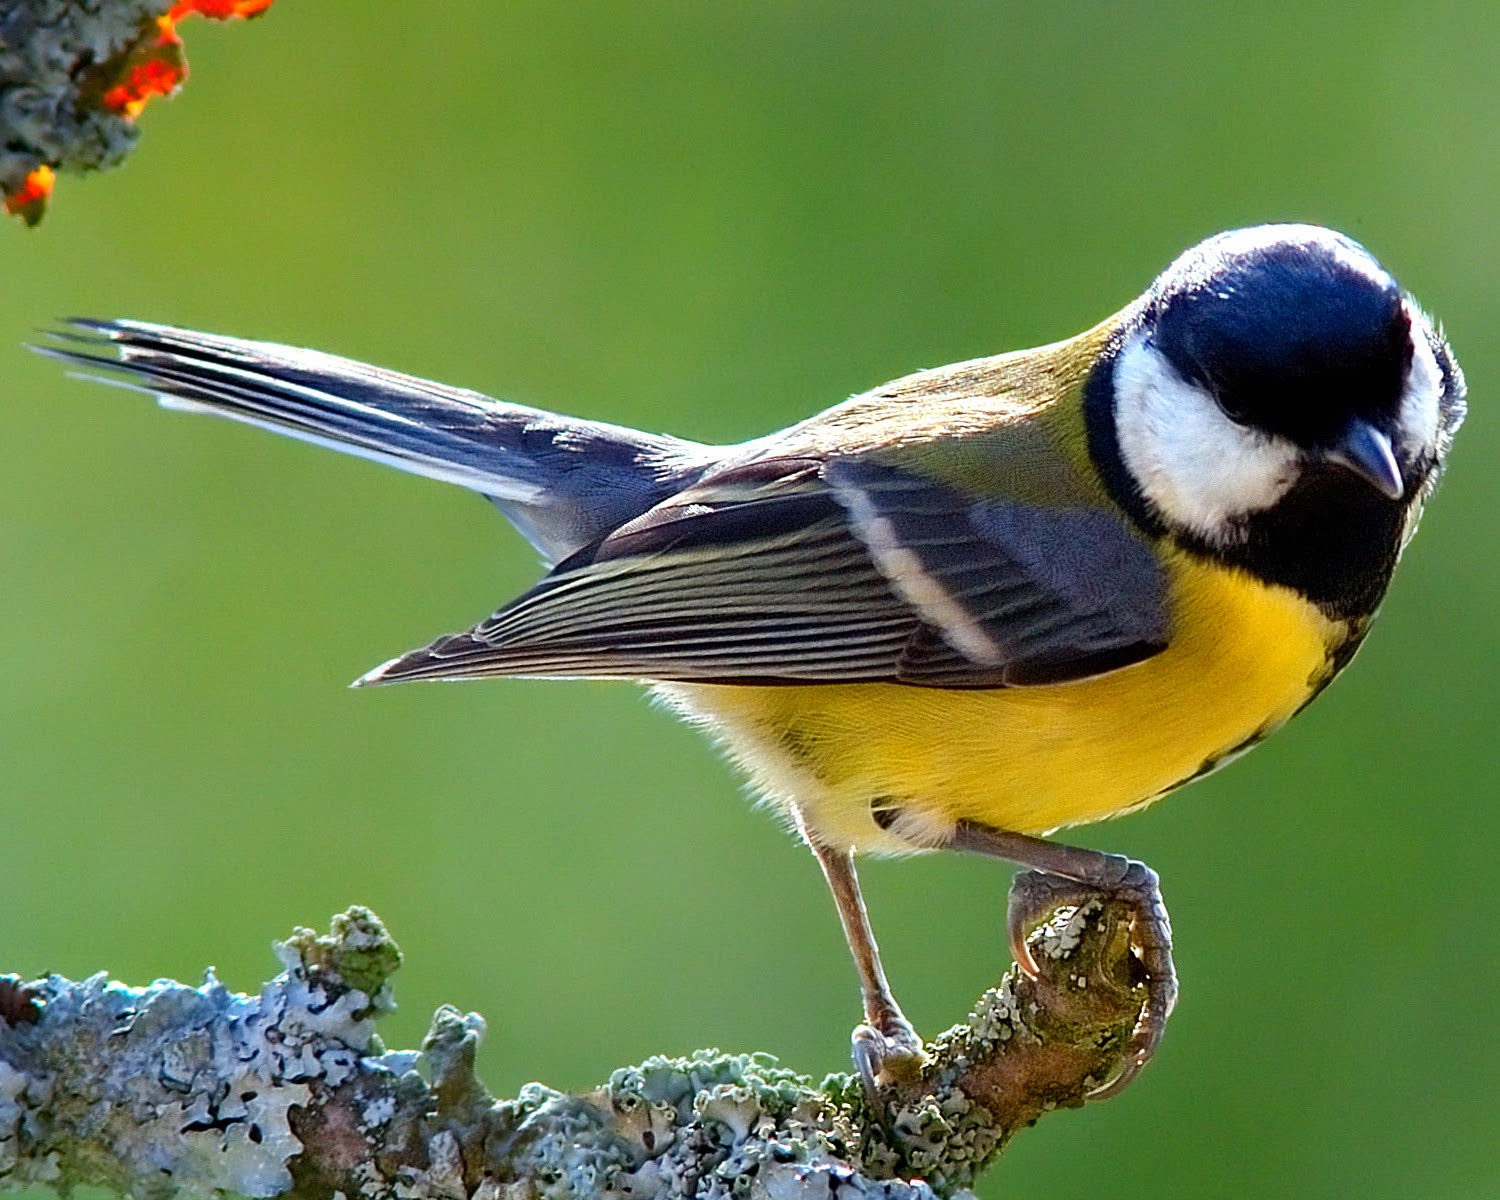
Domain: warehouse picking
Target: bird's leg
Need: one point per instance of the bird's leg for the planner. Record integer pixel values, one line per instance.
(1070, 875)
(886, 1047)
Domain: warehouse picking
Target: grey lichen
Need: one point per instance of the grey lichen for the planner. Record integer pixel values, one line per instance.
(54, 57)
(170, 1090)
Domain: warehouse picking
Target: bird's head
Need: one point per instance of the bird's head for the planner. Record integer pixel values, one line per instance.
(1279, 367)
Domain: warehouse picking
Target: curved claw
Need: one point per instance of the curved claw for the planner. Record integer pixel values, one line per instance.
(1120, 1082)
(1018, 928)
(885, 1058)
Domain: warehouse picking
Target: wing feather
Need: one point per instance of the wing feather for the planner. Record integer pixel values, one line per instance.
(716, 594)
(841, 572)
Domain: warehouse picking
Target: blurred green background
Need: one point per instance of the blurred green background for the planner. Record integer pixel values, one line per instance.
(714, 219)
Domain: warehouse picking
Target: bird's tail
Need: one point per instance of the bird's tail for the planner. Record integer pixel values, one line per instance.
(563, 482)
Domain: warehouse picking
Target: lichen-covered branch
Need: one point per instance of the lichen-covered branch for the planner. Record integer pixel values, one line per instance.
(171, 1090)
(73, 78)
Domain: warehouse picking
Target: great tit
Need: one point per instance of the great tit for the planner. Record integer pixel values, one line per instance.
(966, 608)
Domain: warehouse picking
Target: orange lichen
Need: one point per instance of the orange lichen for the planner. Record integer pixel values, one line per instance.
(156, 65)
(219, 10)
(29, 202)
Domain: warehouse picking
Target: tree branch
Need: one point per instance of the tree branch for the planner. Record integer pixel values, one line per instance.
(170, 1090)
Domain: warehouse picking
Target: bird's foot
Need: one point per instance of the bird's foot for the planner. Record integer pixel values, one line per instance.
(887, 1053)
(1035, 895)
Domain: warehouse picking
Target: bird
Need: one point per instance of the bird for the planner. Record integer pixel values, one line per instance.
(964, 609)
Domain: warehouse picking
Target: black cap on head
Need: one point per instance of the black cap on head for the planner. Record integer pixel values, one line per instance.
(1293, 329)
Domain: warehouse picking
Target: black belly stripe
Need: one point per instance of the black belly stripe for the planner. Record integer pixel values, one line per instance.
(1214, 761)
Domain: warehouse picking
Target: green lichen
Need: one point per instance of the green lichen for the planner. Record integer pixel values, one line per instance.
(681, 1082)
(356, 953)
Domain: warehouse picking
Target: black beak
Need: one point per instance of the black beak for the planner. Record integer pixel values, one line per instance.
(1367, 452)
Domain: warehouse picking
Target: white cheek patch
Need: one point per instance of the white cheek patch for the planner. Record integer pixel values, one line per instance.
(1199, 469)
(1419, 419)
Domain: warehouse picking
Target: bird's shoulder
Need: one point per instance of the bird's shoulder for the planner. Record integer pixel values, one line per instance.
(1007, 429)
(992, 403)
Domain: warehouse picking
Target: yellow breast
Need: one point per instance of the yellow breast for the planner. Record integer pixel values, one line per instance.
(884, 767)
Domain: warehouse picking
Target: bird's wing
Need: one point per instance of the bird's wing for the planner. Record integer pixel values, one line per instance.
(1028, 592)
(806, 571)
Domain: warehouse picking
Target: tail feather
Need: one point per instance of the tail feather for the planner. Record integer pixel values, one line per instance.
(563, 482)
